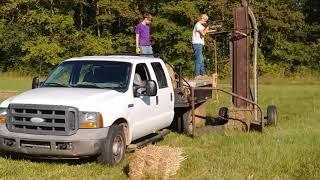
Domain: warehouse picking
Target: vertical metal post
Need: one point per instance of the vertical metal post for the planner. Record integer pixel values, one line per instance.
(215, 74)
(255, 62)
(192, 111)
(231, 61)
(180, 74)
(241, 57)
(215, 56)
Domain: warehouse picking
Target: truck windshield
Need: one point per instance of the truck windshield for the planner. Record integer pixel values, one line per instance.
(90, 74)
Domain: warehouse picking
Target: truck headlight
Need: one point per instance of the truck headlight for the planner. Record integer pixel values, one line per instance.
(3, 115)
(91, 120)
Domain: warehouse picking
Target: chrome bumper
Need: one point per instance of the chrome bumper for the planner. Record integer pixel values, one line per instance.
(84, 143)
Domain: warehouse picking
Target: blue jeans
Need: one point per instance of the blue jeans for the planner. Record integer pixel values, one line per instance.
(199, 62)
(146, 51)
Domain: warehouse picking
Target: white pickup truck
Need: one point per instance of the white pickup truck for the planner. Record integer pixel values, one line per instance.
(90, 106)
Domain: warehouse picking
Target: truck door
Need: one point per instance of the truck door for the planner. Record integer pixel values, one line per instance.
(164, 98)
(143, 109)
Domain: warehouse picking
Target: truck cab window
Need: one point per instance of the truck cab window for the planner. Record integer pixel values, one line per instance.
(141, 75)
(161, 77)
(142, 70)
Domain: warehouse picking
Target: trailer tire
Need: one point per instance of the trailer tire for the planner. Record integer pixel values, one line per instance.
(223, 115)
(272, 115)
(113, 147)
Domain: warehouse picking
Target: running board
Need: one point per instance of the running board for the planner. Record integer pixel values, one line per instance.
(159, 136)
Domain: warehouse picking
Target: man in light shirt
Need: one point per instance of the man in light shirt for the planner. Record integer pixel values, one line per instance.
(199, 31)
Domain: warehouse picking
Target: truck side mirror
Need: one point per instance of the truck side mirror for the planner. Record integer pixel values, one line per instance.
(35, 82)
(151, 87)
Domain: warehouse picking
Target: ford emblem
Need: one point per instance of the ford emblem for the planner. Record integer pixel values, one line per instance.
(37, 120)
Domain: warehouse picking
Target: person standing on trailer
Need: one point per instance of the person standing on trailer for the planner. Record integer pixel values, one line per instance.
(199, 31)
(143, 43)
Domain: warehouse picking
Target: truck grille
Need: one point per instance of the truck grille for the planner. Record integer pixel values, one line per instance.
(42, 119)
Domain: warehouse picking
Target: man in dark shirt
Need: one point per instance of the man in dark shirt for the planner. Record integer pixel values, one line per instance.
(143, 44)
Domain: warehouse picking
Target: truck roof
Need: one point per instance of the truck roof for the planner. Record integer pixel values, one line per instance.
(120, 58)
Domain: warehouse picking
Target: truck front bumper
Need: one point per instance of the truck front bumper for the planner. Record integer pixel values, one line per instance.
(85, 143)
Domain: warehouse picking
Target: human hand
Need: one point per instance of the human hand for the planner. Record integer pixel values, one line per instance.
(137, 50)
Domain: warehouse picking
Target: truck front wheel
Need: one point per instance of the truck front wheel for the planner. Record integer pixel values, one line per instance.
(113, 147)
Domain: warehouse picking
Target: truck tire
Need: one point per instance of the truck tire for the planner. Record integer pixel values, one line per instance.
(187, 122)
(272, 115)
(114, 147)
(200, 118)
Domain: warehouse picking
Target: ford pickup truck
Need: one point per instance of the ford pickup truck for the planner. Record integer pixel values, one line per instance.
(91, 106)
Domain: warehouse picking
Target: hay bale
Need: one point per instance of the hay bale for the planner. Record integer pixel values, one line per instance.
(172, 75)
(155, 162)
(239, 119)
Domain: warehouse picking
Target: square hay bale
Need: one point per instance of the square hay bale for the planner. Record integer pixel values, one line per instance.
(155, 162)
(240, 119)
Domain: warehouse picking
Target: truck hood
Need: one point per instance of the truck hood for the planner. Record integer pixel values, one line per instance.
(65, 96)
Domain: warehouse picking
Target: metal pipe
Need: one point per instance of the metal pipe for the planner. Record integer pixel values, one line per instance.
(180, 75)
(215, 56)
(192, 111)
(255, 61)
(215, 75)
(232, 94)
(231, 60)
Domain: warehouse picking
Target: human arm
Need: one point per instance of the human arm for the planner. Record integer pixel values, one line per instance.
(203, 32)
(201, 29)
(211, 30)
(137, 40)
(137, 44)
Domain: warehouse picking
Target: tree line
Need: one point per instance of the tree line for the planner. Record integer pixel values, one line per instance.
(38, 34)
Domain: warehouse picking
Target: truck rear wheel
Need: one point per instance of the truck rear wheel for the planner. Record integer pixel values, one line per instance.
(200, 118)
(187, 122)
(114, 147)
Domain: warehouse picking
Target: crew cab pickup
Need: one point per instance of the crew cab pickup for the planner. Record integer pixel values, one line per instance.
(89, 106)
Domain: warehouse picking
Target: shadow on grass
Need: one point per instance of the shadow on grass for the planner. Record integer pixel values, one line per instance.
(37, 159)
(126, 170)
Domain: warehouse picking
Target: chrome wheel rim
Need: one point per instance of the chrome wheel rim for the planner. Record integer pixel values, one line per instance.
(117, 148)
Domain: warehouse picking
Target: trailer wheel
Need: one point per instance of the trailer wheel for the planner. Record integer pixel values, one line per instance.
(272, 115)
(113, 147)
(223, 115)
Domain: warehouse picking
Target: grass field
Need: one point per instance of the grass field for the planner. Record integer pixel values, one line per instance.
(289, 151)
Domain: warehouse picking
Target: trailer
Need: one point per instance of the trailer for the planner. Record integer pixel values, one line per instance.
(245, 113)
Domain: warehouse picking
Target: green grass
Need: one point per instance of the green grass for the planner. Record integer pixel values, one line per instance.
(13, 82)
(289, 151)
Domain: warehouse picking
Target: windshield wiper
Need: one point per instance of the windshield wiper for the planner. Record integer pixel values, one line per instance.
(52, 84)
(86, 86)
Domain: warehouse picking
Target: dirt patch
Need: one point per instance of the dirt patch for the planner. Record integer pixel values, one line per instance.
(5, 94)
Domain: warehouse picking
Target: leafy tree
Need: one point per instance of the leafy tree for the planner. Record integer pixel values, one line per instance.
(34, 32)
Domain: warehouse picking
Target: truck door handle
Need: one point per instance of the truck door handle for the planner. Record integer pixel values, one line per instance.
(171, 97)
(157, 100)
(130, 105)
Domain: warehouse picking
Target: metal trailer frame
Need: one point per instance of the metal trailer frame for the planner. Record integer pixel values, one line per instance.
(240, 94)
